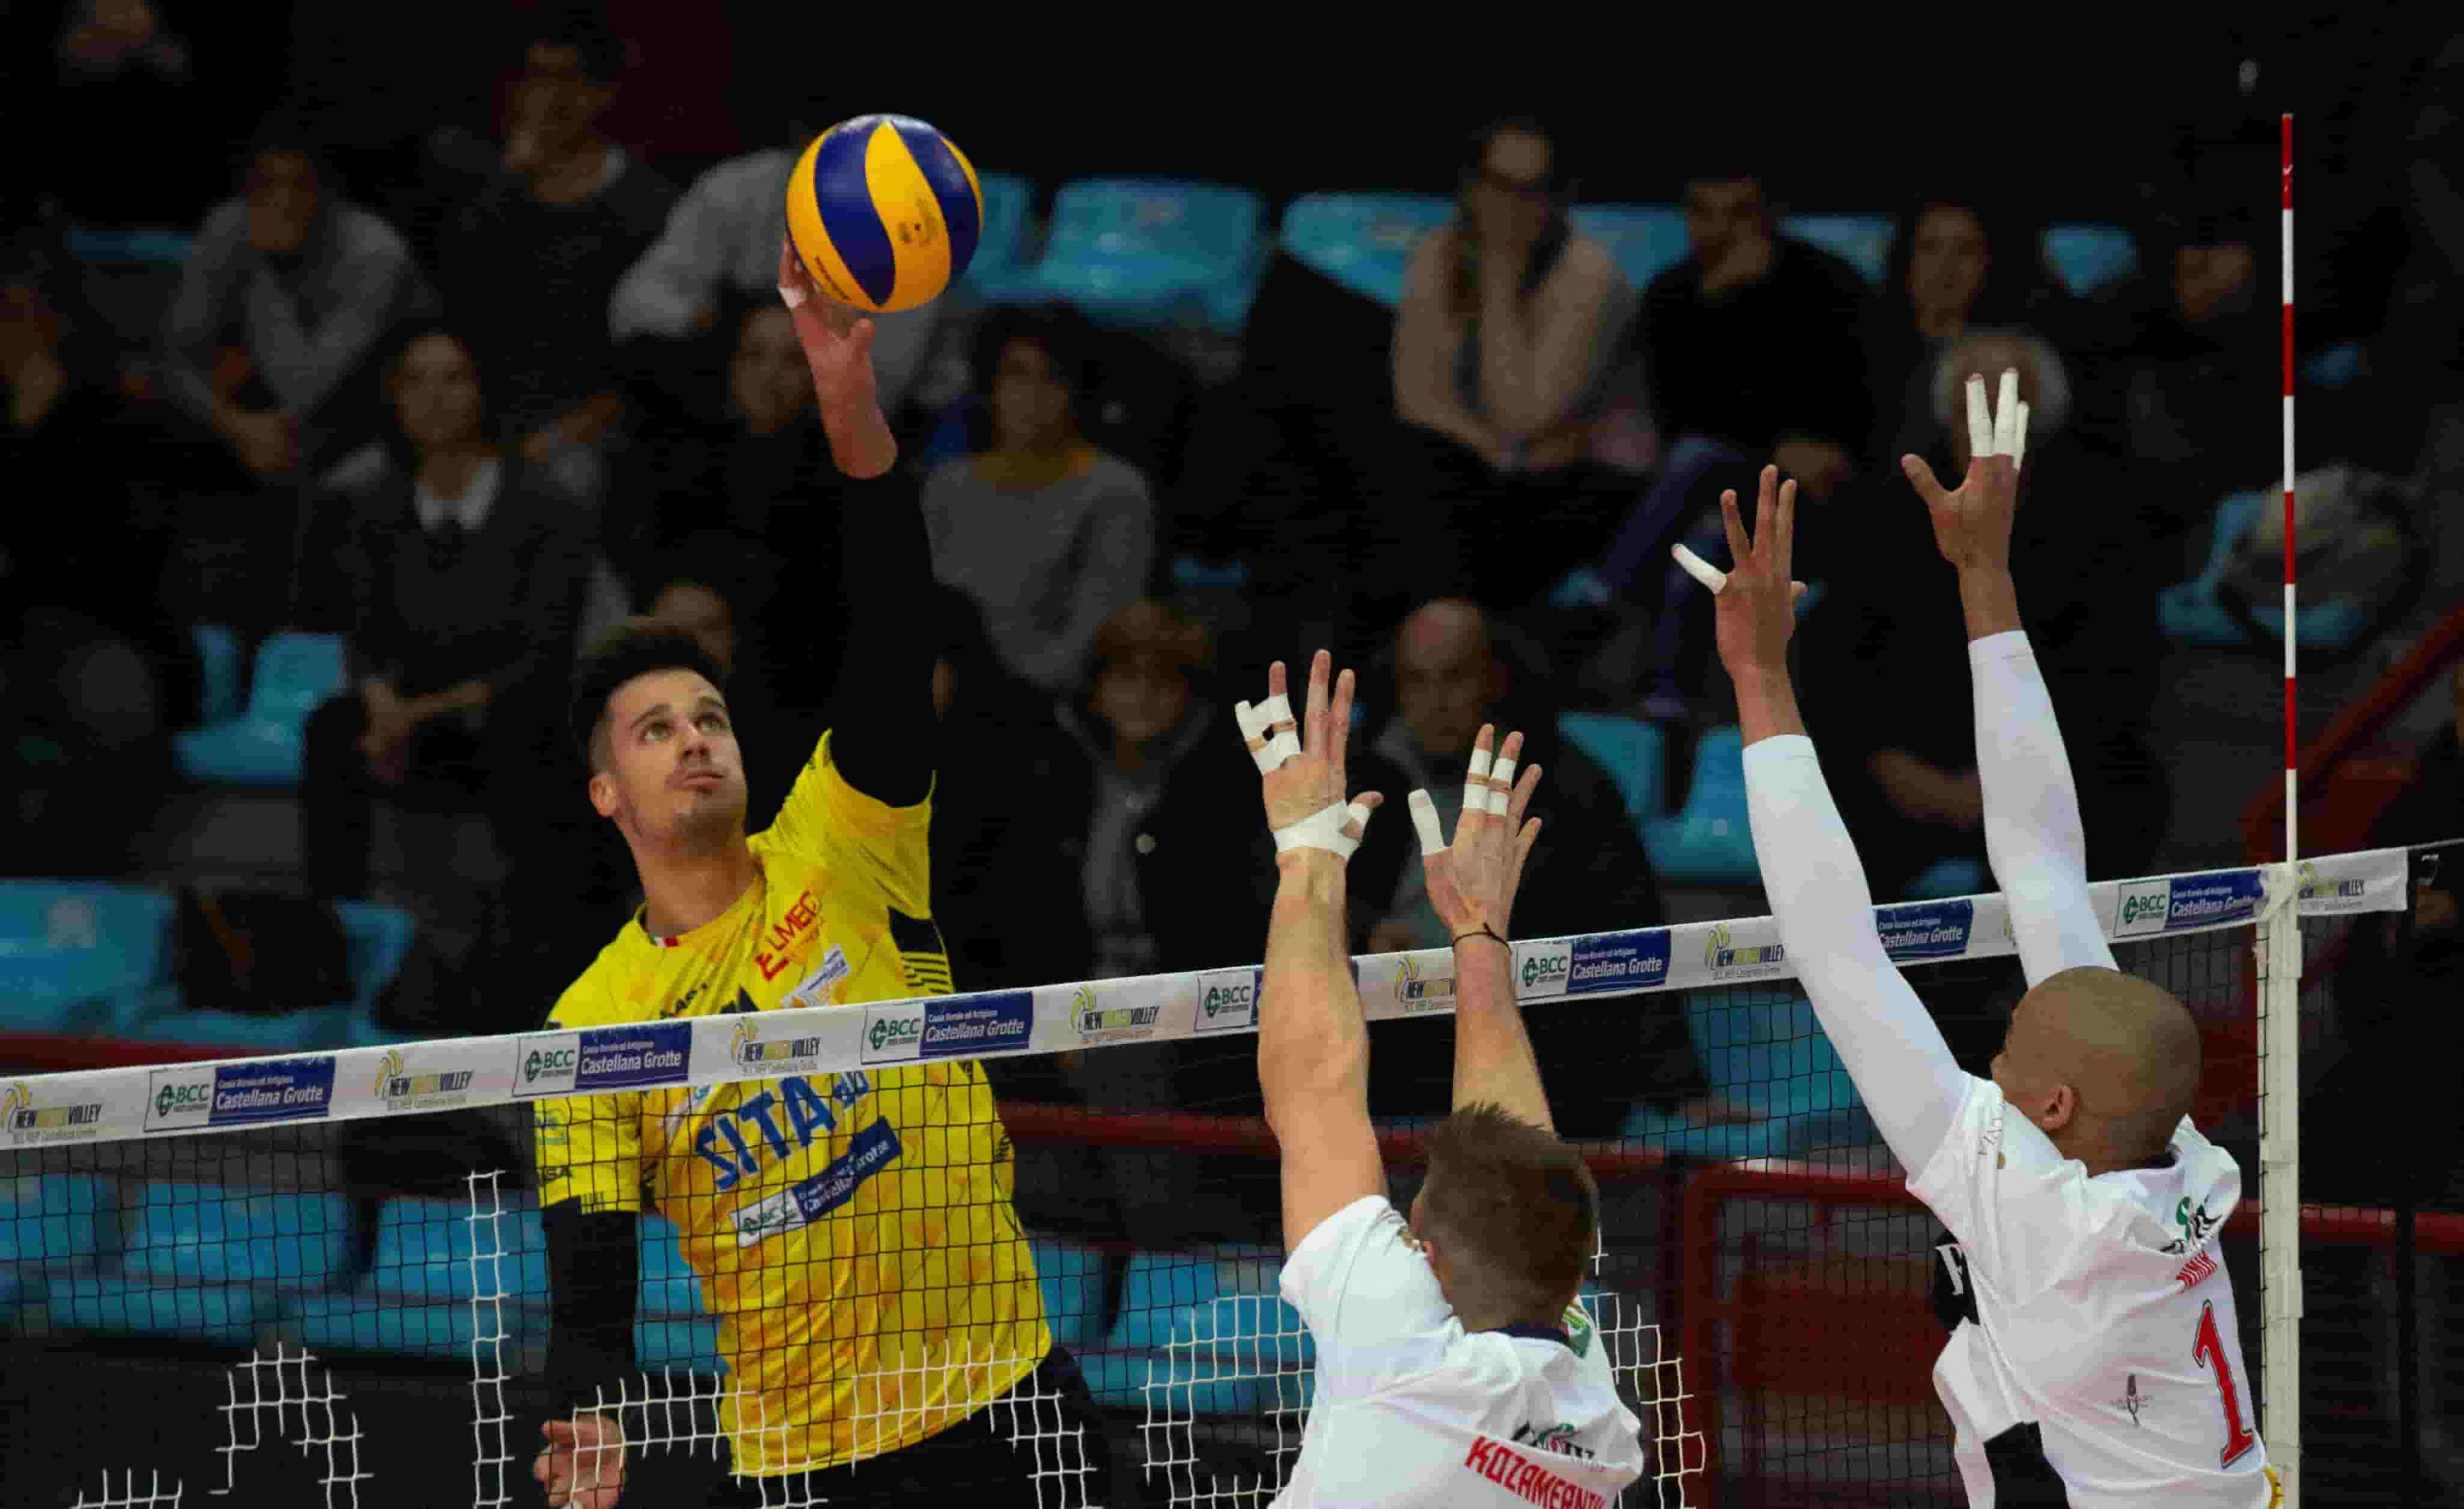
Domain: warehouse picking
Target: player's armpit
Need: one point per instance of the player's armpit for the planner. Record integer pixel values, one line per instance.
(827, 817)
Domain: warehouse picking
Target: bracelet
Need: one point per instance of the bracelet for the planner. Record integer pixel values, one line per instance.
(1484, 932)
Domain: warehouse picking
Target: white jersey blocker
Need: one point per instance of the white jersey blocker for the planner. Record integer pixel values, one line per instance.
(1411, 1410)
(2098, 1361)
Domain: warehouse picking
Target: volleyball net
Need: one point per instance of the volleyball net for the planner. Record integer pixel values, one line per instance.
(325, 1279)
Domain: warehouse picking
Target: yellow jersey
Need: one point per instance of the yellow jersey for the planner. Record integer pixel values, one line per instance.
(853, 1233)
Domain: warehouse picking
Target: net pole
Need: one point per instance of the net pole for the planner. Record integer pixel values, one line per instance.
(2279, 1003)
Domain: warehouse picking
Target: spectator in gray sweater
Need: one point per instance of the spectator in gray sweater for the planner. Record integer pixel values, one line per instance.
(1048, 534)
(305, 284)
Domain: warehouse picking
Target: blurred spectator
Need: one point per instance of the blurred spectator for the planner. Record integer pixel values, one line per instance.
(461, 583)
(1007, 861)
(2177, 356)
(1506, 359)
(1589, 874)
(1955, 263)
(739, 468)
(126, 90)
(1047, 534)
(1887, 641)
(530, 263)
(1712, 328)
(721, 238)
(94, 674)
(302, 285)
(2398, 1137)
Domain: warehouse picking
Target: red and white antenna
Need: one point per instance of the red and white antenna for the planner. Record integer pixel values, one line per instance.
(2292, 746)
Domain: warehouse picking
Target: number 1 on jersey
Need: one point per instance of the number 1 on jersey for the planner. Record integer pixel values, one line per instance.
(2210, 1353)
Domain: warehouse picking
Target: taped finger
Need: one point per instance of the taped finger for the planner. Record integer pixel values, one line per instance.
(1424, 821)
(1501, 780)
(2006, 415)
(1980, 420)
(1700, 570)
(1360, 812)
(1277, 728)
(1476, 783)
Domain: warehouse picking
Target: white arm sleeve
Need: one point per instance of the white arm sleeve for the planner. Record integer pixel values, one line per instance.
(1893, 1049)
(2032, 814)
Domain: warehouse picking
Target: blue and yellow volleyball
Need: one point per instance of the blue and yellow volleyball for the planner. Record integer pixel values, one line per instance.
(884, 211)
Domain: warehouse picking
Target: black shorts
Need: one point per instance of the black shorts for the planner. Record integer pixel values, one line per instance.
(1039, 1446)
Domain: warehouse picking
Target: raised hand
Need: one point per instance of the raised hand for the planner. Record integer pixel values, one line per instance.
(838, 348)
(1973, 525)
(583, 1464)
(1754, 599)
(1300, 764)
(1473, 881)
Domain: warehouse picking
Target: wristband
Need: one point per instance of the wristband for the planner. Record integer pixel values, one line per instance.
(1323, 830)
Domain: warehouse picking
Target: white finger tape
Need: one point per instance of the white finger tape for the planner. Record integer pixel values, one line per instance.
(1323, 829)
(2019, 437)
(2006, 415)
(1424, 820)
(1980, 420)
(1280, 745)
(1501, 780)
(791, 296)
(1475, 797)
(1700, 570)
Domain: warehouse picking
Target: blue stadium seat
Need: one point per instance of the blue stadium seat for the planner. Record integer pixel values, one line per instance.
(137, 246)
(1864, 241)
(1073, 1279)
(378, 940)
(161, 1016)
(2339, 366)
(1645, 239)
(1633, 753)
(261, 747)
(1771, 1058)
(689, 1346)
(187, 1234)
(1156, 252)
(218, 663)
(1957, 876)
(1362, 241)
(1226, 1305)
(73, 952)
(223, 1315)
(1001, 246)
(52, 1227)
(1708, 840)
(2087, 257)
(416, 1297)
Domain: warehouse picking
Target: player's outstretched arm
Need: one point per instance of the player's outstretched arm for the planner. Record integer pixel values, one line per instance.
(1471, 888)
(1817, 886)
(885, 739)
(1313, 1041)
(2032, 832)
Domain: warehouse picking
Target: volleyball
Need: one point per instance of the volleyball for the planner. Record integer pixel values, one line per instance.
(884, 212)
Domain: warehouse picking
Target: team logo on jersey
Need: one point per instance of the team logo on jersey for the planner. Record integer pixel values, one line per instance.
(1419, 994)
(821, 987)
(1097, 1023)
(1724, 958)
(778, 949)
(25, 1120)
(2131, 1400)
(2196, 1225)
(1557, 1438)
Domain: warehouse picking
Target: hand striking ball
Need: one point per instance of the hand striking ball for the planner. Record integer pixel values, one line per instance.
(884, 212)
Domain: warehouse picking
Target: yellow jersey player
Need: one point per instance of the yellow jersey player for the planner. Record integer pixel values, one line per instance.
(853, 1233)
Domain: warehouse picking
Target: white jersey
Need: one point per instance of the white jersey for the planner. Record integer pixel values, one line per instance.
(1410, 1409)
(2097, 1359)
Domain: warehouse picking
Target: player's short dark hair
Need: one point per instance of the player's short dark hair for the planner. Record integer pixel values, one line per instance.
(1512, 1206)
(634, 648)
